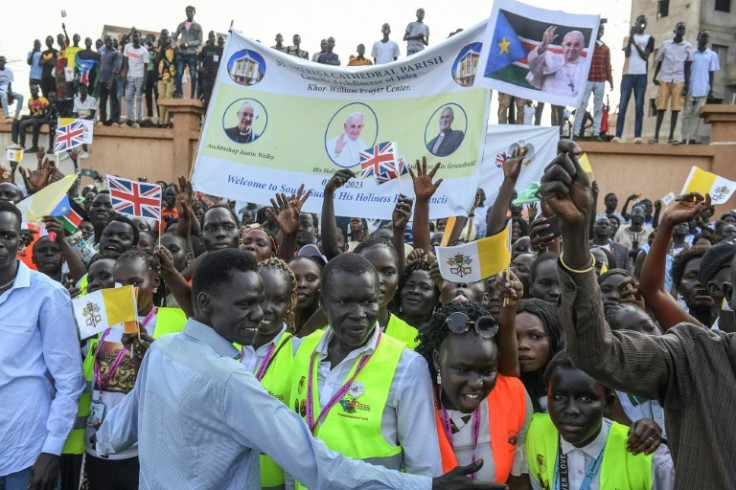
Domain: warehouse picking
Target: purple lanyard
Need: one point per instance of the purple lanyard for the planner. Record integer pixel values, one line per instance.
(265, 362)
(337, 396)
(447, 426)
(102, 383)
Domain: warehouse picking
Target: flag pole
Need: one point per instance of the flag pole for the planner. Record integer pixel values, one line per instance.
(507, 272)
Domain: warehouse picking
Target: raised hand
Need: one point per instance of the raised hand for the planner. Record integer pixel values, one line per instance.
(547, 38)
(401, 214)
(424, 188)
(184, 192)
(566, 190)
(54, 228)
(512, 165)
(286, 210)
(340, 143)
(645, 435)
(532, 209)
(416, 255)
(509, 287)
(686, 208)
(338, 180)
(162, 262)
(37, 179)
(539, 237)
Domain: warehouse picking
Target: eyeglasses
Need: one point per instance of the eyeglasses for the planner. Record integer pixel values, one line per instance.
(459, 322)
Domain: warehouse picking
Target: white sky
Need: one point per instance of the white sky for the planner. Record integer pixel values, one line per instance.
(350, 23)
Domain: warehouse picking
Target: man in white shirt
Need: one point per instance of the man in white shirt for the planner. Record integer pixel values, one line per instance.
(6, 80)
(671, 75)
(344, 150)
(416, 35)
(637, 48)
(385, 50)
(558, 73)
(135, 62)
(704, 65)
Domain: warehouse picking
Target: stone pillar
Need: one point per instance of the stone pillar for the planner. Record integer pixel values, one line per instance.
(722, 118)
(187, 114)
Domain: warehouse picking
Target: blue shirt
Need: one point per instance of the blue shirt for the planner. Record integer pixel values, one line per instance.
(39, 343)
(703, 63)
(36, 69)
(201, 420)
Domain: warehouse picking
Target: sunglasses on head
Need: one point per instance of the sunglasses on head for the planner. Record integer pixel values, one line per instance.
(459, 322)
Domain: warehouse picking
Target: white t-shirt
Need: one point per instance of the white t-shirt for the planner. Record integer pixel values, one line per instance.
(83, 108)
(385, 52)
(137, 59)
(636, 64)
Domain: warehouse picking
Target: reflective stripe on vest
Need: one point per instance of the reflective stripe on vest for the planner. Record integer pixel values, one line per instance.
(506, 415)
(400, 330)
(277, 382)
(353, 426)
(619, 469)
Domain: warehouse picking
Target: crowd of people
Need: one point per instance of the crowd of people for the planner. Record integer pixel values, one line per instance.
(132, 67)
(278, 349)
(312, 341)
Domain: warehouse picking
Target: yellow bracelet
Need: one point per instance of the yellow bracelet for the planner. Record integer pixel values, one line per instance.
(567, 267)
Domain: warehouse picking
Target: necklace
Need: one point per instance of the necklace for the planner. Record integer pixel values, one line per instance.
(8, 284)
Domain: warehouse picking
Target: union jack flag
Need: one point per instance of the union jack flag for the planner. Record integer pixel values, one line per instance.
(378, 160)
(135, 198)
(392, 174)
(500, 158)
(70, 135)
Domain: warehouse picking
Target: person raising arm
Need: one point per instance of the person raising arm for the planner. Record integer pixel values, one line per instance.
(690, 369)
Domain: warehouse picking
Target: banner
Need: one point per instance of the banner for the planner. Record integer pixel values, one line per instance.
(538, 54)
(541, 145)
(277, 121)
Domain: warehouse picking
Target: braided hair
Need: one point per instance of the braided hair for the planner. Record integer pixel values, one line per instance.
(278, 265)
(434, 332)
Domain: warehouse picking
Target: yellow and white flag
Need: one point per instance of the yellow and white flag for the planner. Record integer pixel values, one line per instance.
(584, 162)
(43, 202)
(14, 155)
(106, 308)
(699, 180)
(475, 261)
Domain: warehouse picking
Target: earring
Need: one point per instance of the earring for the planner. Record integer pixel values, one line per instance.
(439, 379)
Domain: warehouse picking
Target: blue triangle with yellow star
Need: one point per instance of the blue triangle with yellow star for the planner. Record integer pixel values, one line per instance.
(506, 47)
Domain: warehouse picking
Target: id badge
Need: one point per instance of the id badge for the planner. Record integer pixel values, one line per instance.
(96, 414)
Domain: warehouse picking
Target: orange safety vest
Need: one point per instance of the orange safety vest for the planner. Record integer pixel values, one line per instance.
(506, 415)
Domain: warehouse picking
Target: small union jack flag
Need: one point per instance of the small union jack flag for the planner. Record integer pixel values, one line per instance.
(378, 160)
(500, 158)
(392, 174)
(135, 198)
(70, 135)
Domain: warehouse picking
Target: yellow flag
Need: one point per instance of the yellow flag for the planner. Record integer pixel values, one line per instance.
(120, 305)
(585, 164)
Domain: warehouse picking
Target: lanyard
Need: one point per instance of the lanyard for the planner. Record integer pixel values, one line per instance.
(561, 478)
(337, 396)
(103, 383)
(447, 426)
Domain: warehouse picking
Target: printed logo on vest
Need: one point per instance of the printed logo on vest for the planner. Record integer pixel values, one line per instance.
(300, 387)
(513, 437)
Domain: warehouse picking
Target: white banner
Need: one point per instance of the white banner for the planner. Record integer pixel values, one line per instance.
(541, 145)
(277, 121)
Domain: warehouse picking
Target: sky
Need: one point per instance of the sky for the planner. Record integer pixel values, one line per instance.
(349, 23)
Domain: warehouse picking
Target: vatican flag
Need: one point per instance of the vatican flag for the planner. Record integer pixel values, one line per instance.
(699, 180)
(475, 261)
(106, 308)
